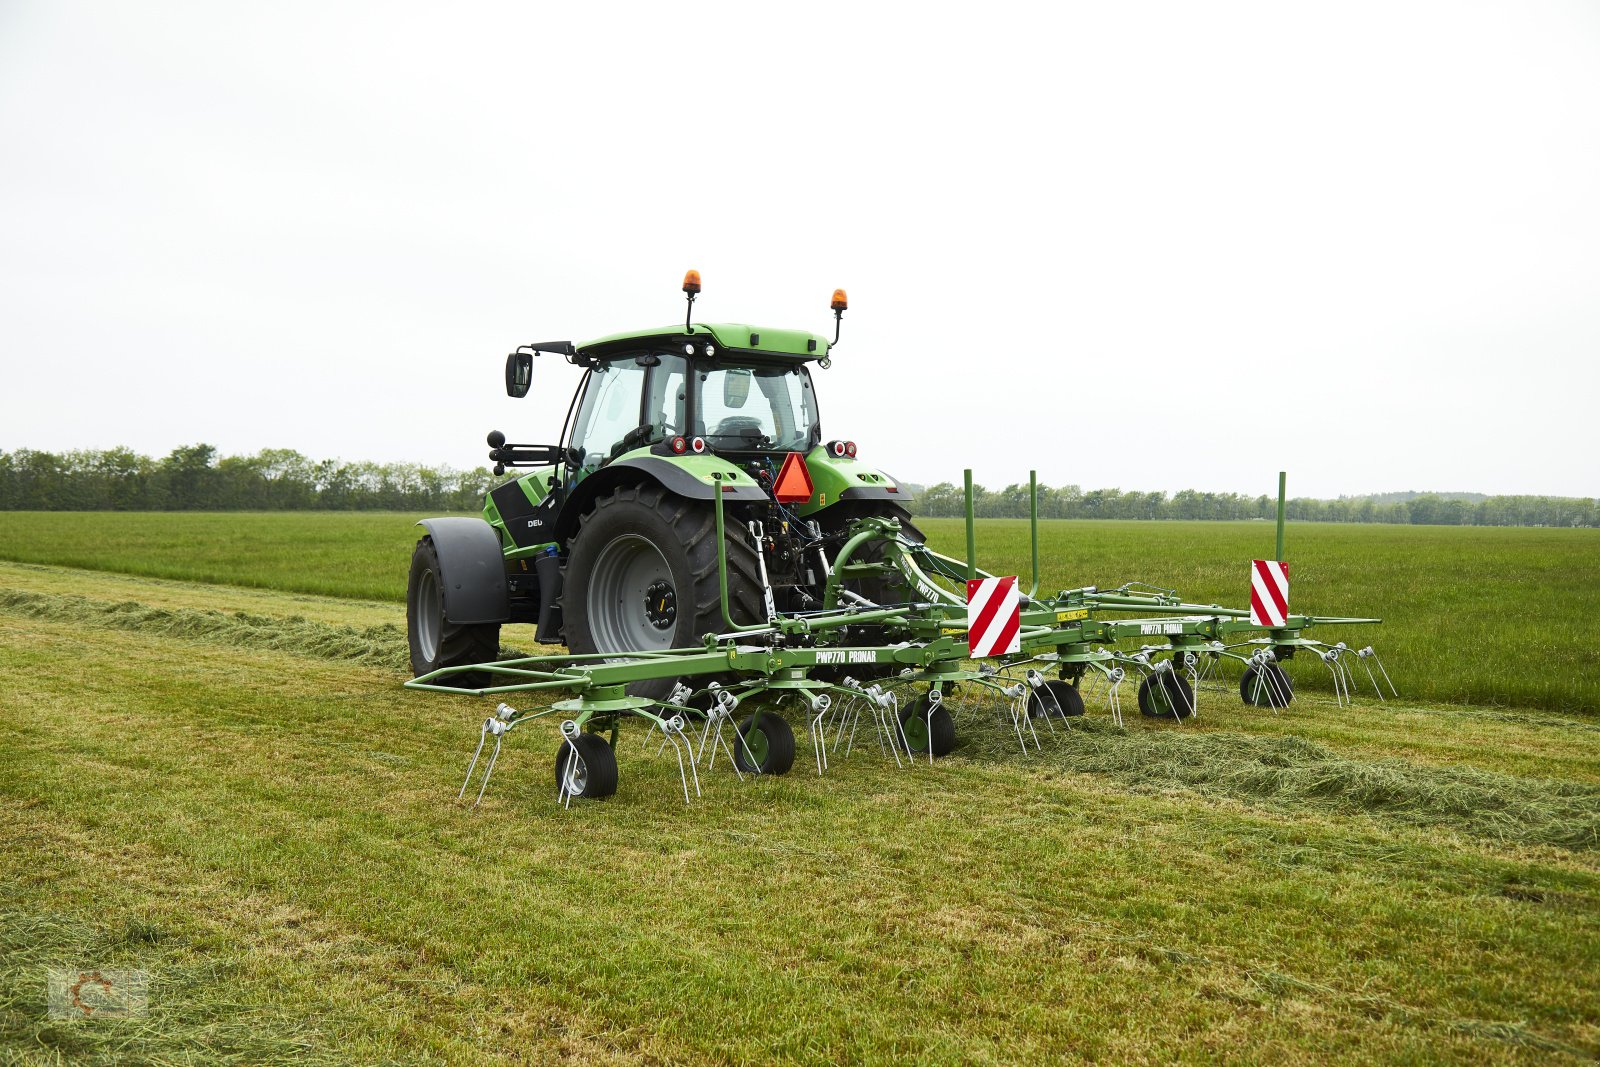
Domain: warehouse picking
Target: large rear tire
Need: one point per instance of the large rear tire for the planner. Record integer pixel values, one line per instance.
(641, 576)
(435, 641)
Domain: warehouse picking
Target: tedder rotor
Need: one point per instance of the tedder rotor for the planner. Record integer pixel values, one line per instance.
(699, 549)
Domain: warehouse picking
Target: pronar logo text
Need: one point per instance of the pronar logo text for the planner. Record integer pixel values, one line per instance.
(846, 657)
(1161, 628)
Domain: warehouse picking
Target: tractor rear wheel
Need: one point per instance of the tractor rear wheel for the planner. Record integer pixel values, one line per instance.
(1165, 695)
(1269, 690)
(641, 576)
(436, 641)
(586, 766)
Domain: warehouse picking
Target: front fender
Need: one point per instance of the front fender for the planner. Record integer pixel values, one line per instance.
(473, 568)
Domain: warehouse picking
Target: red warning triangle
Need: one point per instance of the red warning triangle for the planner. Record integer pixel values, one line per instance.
(794, 481)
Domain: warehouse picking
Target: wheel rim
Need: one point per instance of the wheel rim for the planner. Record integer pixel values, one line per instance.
(429, 615)
(632, 602)
(756, 741)
(916, 728)
(1161, 696)
(577, 779)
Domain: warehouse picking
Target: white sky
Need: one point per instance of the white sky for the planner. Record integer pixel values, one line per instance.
(1147, 246)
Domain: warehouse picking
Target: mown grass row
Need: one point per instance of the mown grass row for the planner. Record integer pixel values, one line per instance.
(1489, 616)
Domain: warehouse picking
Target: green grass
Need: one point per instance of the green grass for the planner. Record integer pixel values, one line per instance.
(1492, 616)
(228, 788)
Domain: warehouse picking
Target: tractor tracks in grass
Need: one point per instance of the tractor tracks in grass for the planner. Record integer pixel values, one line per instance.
(1294, 774)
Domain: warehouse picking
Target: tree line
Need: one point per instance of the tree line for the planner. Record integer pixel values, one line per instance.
(1421, 509)
(196, 478)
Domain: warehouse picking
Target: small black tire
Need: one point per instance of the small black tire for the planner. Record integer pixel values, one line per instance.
(1274, 691)
(765, 744)
(1067, 699)
(919, 729)
(1166, 696)
(434, 640)
(594, 774)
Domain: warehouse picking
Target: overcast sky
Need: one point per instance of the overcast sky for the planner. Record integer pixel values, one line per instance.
(1137, 245)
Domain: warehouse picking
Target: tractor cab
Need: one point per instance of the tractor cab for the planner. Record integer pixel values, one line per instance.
(679, 397)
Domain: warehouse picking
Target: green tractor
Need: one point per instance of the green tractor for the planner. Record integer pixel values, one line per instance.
(608, 543)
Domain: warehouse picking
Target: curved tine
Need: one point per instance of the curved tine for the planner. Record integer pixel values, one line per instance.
(1385, 674)
(1022, 704)
(665, 729)
(818, 739)
(1376, 688)
(1338, 697)
(889, 710)
(1045, 690)
(483, 735)
(564, 796)
(848, 710)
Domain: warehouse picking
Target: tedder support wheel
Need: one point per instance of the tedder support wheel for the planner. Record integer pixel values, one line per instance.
(919, 728)
(586, 767)
(765, 744)
(641, 576)
(435, 641)
(1067, 704)
(1166, 696)
(1271, 689)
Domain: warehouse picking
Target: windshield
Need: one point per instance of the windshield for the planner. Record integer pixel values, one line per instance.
(755, 407)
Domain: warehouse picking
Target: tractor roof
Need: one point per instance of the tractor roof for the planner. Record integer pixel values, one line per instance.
(735, 338)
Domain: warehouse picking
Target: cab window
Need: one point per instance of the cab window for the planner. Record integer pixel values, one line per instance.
(609, 412)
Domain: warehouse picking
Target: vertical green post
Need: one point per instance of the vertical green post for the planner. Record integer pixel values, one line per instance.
(1283, 478)
(972, 539)
(1033, 527)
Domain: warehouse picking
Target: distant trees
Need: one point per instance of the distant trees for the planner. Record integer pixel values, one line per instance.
(195, 478)
(946, 500)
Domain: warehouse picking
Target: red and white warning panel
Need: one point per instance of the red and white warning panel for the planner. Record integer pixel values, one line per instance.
(1269, 593)
(994, 617)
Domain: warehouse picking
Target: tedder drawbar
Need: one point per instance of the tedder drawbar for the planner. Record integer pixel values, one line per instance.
(699, 548)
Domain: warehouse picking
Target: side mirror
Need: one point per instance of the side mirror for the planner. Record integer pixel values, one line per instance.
(519, 373)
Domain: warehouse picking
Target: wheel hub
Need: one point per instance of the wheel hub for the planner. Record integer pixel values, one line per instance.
(661, 605)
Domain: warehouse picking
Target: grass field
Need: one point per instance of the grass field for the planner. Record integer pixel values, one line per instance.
(214, 776)
(1480, 615)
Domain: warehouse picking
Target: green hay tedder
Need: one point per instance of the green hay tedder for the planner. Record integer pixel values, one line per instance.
(710, 561)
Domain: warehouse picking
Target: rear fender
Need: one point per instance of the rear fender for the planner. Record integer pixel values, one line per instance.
(473, 567)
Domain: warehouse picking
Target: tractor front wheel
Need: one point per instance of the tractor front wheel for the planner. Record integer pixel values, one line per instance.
(436, 641)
